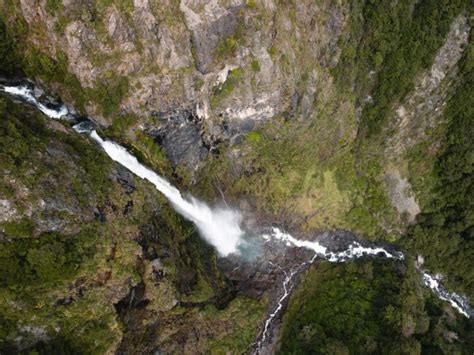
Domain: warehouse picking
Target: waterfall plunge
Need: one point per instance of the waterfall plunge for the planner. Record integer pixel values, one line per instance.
(220, 227)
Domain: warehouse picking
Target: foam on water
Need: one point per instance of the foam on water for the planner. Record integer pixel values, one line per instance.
(289, 240)
(354, 250)
(457, 301)
(27, 94)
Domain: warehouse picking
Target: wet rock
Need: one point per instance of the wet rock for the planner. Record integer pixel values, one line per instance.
(178, 132)
(124, 177)
(183, 144)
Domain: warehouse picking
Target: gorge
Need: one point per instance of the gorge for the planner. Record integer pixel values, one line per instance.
(221, 227)
(236, 176)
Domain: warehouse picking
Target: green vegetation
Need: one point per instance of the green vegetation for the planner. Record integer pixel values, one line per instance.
(142, 145)
(109, 91)
(18, 229)
(222, 91)
(53, 6)
(254, 136)
(8, 56)
(125, 6)
(37, 64)
(52, 68)
(367, 307)
(445, 230)
(48, 259)
(19, 137)
(227, 46)
(255, 65)
(37, 269)
(396, 40)
(321, 173)
(273, 51)
(66, 279)
(121, 125)
(316, 185)
(245, 315)
(61, 24)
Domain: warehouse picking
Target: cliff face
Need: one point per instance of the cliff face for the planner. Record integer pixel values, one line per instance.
(205, 70)
(316, 115)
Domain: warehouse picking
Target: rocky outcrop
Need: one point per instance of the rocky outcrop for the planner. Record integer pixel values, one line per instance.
(421, 110)
(180, 54)
(401, 195)
(420, 115)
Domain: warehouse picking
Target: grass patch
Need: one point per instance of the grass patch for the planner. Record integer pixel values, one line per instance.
(222, 91)
(255, 64)
(254, 137)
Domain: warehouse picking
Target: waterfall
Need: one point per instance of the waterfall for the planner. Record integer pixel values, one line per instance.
(220, 227)
(27, 94)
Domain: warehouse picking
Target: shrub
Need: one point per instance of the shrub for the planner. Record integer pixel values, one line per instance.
(228, 86)
(109, 92)
(53, 6)
(226, 46)
(255, 65)
(8, 58)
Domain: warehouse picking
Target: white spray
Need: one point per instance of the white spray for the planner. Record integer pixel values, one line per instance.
(459, 302)
(27, 94)
(220, 227)
(354, 250)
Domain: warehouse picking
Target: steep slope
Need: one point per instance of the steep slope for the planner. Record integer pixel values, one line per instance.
(312, 115)
(90, 254)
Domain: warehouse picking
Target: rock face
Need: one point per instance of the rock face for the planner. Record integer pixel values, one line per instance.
(180, 54)
(85, 243)
(421, 110)
(401, 195)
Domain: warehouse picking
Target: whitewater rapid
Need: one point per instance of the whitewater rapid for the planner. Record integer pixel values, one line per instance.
(221, 227)
(458, 302)
(354, 250)
(27, 94)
